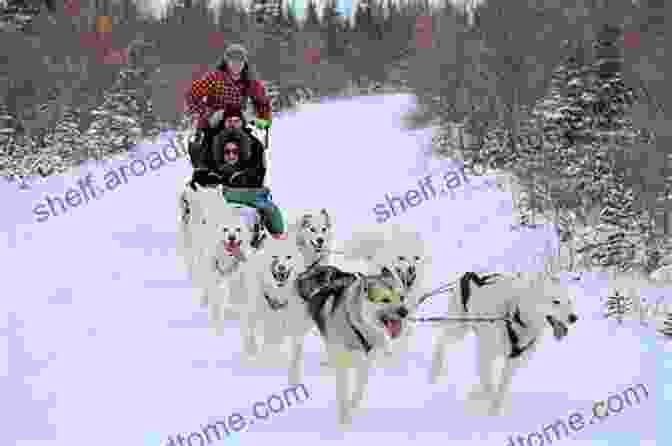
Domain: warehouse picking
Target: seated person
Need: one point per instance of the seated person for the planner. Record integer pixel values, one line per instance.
(229, 162)
(229, 118)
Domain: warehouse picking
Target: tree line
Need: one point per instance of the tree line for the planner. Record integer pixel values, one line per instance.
(569, 98)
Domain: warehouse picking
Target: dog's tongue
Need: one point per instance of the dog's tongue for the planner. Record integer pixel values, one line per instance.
(231, 247)
(393, 327)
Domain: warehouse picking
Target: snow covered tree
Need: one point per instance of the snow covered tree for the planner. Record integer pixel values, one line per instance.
(618, 306)
(666, 326)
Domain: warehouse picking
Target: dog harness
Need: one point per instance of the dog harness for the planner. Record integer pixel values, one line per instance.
(465, 289)
(516, 349)
(274, 304)
(186, 210)
(362, 340)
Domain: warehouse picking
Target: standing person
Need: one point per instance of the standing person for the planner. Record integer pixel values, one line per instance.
(231, 83)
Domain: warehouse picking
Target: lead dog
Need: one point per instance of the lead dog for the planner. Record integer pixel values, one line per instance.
(357, 316)
(533, 304)
(405, 253)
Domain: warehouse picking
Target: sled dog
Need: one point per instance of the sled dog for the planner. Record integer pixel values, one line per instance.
(534, 305)
(314, 237)
(191, 225)
(405, 253)
(357, 316)
(273, 273)
(219, 272)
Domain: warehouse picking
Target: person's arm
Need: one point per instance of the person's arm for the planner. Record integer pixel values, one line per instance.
(196, 97)
(262, 102)
(228, 173)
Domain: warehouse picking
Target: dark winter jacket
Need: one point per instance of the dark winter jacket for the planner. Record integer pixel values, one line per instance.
(250, 169)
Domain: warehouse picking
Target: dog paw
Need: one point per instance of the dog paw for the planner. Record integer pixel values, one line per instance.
(357, 403)
(497, 409)
(345, 420)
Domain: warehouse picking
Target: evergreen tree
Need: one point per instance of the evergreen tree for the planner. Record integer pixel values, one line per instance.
(333, 31)
(618, 306)
(312, 22)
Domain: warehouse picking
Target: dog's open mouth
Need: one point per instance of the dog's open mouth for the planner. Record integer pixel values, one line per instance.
(560, 329)
(317, 246)
(231, 245)
(392, 326)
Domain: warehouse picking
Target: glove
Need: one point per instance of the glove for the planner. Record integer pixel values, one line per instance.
(216, 118)
(237, 178)
(262, 124)
(206, 178)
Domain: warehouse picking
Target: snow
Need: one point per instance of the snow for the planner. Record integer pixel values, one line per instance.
(108, 347)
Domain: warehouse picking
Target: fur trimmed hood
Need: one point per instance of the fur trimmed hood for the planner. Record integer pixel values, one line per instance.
(227, 136)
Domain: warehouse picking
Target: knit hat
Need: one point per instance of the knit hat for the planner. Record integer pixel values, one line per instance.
(236, 52)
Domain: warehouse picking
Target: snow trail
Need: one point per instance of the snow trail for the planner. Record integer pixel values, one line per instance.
(107, 346)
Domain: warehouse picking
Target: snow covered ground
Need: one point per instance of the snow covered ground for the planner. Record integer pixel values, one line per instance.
(106, 346)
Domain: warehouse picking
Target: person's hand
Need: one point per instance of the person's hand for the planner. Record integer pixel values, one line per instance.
(239, 178)
(206, 178)
(262, 124)
(216, 118)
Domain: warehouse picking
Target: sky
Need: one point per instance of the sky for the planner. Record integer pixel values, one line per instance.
(107, 345)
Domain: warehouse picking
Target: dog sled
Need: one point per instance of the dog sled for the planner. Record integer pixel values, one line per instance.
(259, 226)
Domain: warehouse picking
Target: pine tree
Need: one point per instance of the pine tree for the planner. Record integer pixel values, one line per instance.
(618, 306)
(666, 329)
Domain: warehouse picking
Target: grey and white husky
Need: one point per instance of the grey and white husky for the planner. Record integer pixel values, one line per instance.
(357, 316)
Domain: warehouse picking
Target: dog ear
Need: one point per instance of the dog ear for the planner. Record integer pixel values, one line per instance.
(388, 273)
(305, 220)
(326, 216)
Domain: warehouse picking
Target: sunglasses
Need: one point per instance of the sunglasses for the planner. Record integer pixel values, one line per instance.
(384, 296)
(231, 152)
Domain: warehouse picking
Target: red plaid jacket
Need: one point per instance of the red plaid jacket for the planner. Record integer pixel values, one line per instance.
(217, 89)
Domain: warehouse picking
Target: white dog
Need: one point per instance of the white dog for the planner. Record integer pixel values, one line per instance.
(220, 252)
(534, 305)
(191, 225)
(272, 290)
(314, 236)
